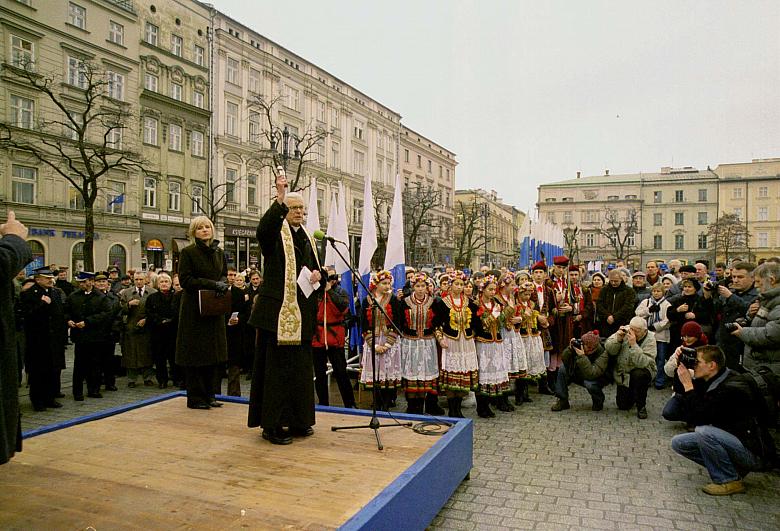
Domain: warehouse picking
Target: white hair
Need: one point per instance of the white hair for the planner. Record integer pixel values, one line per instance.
(292, 195)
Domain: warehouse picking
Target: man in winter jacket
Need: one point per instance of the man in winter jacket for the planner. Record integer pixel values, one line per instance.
(586, 366)
(727, 440)
(615, 305)
(634, 349)
(762, 338)
(732, 303)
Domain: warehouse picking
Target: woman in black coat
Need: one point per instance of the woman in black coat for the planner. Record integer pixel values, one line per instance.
(162, 316)
(240, 308)
(200, 343)
(687, 306)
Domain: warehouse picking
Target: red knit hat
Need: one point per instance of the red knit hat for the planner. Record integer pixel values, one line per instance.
(691, 329)
(591, 340)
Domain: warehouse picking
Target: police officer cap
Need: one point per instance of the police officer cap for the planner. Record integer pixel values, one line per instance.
(44, 272)
(101, 275)
(85, 275)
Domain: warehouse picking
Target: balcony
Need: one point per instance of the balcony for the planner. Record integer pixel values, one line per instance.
(126, 5)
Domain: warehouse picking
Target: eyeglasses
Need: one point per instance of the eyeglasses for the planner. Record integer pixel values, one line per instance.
(296, 208)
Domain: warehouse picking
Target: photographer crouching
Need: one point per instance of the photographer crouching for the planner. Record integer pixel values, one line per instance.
(584, 363)
(634, 348)
(727, 439)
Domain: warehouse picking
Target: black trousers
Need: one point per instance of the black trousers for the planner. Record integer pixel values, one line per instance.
(636, 392)
(107, 363)
(339, 363)
(44, 385)
(200, 384)
(86, 366)
(164, 353)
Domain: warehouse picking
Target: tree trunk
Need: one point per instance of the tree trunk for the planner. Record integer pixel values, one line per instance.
(89, 236)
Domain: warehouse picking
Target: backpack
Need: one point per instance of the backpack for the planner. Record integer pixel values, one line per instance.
(765, 390)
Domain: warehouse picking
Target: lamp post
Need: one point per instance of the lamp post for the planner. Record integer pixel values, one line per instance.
(284, 136)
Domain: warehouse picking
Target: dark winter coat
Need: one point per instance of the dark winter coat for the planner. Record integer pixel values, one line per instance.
(701, 308)
(45, 328)
(731, 309)
(762, 337)
(136, 346)
(617, 302)
(200, 340)
(236, 334)
(94, 309)
(592, 366)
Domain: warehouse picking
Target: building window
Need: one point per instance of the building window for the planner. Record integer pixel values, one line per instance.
(551, 217)
(702, 241)
(150, 82)
(291, 98)
(70, 130)
(197, 199)
(419, 161)
(231, 118)
(763, 191)
(177, 44)
(24, 180)
(231, 176)
(232, 71)
(150, 131)
(678, 196)
(406, 155)
(763, 214)
(736, 193)
(251, 190)
(567, 216)
(550, 200)
(679, 242)
(75, 199)
(358, 162)
(176, 91)
(762, 239)
(430, 166)
(77, 257)
(657, 197)
(679, 218)
(613, 197)
(590, 239)
(658, 242)
(174, 137)
(174, 196)
(199, 56)
(23, 110)
(150, 192)
(658, 219)
(321, 111)
(198, 99)
(320, 201)
(567, 199)
(22, 53)
(117, 257)
(335, 155)
(77, 72)
(116, 32)
(357, 211)
(114, 136)
(359, 129)
(738, 212)
(116, 86)
(702, 195)
(255, 83)
(702, 218)
(378, 176)
(631, 240)
(115, 197)
(77, 15)
(441, 171)
(631, 196)
(254, 128)
(197, 143)
(151, 34)
(335, 118)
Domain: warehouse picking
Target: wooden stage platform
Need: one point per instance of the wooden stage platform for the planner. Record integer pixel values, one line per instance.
(159, 465)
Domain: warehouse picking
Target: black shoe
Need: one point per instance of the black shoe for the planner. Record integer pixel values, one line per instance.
(597, 406)
(131, 384)
(432, 406)
(199, 406)
(78, 398)
(543, 389)
(111, 388)
(277, 437)
(59, 395)
(560, 405)
(54, 404)
(214, 403)
(641, 413)
(302, 432)
(148, 383)
(94, 395)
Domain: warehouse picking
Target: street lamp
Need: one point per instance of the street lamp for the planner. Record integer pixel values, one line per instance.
(284, 137)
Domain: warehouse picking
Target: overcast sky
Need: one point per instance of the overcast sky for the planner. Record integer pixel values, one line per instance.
(529, 92)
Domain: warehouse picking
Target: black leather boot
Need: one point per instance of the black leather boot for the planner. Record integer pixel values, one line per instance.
(526, 398)
(432, 405)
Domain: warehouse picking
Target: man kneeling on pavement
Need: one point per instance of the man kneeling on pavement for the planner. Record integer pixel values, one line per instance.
(584, 363)
(634, 350)
(729, 440)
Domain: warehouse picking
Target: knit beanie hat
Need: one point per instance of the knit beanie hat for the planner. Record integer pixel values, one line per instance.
(691, 329)
(591, 340)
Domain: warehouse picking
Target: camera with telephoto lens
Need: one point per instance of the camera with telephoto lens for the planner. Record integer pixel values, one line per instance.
(688, 357)
(733, 326)
(709, 285)
(576, 343)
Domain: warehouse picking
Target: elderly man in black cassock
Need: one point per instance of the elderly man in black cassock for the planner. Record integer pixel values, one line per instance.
(282, 394)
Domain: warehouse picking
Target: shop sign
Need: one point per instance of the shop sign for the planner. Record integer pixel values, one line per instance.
(154, 245)
(70, 234)
(240, 231)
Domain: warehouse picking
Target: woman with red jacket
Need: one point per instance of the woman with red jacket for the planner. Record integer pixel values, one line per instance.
(328, 342)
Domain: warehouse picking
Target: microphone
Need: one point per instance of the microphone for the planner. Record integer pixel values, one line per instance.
(319, 235)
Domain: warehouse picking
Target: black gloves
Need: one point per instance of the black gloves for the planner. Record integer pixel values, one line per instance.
(221, 286)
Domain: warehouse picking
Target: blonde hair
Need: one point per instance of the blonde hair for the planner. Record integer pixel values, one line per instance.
(198, 222)
(161, 276)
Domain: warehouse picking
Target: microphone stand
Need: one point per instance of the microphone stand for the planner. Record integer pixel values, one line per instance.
(374, 423)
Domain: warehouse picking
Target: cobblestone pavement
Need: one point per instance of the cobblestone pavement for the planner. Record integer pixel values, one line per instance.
(534, 469)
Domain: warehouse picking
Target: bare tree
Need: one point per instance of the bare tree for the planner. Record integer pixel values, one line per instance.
(284, 145)
(728, 234)
(470, 234)
(572, 245)
(418, 221)
(383, 201)
(82, 139)
(620, 230)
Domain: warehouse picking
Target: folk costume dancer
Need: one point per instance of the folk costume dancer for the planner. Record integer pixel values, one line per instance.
(545, 304)
(493, 369)
(561, 329)
(530, 322)
(514, 349)
(388, 349)
(459, 373)
(419, 362)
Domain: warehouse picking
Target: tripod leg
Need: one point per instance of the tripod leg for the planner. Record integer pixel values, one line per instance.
(378, 440)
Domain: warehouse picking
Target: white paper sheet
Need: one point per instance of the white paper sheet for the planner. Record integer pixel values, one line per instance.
(303, 282)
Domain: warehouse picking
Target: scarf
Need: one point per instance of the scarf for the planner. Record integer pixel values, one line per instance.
(655, 313)
(290, 321)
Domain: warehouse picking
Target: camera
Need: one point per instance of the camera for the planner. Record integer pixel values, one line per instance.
(733, 326)
(688, 357)
(709, 285)
(576, 343)
(625, 329)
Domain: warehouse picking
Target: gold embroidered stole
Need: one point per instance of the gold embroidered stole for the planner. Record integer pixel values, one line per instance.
(290, 321)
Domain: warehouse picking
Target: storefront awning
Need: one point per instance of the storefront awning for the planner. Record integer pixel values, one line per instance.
(154, 245)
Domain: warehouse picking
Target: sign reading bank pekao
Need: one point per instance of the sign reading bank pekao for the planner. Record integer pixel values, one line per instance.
(70, 234)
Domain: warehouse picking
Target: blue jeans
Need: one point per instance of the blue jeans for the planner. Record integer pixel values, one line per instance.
(661, 355)
(564, 379)
(721, 453)
(675, 409)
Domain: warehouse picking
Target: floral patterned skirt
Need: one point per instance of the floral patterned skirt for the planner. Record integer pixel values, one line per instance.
(388, 366)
